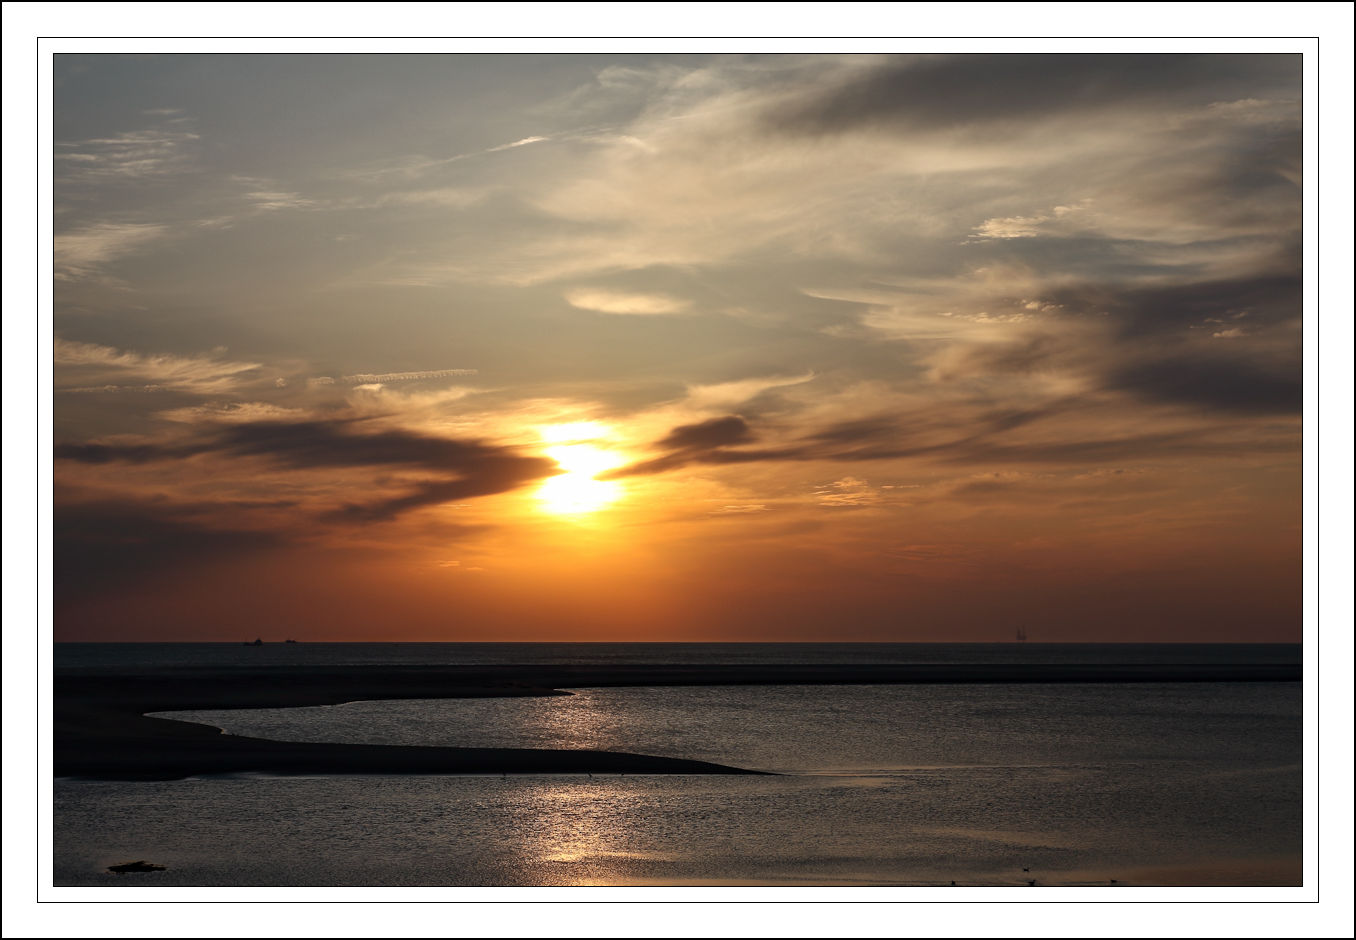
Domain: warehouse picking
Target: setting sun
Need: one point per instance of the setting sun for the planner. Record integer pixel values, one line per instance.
(576, 491)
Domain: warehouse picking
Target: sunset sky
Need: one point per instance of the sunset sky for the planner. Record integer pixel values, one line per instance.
(677, 347)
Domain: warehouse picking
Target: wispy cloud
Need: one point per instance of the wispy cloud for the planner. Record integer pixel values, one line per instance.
(267, 201)
(726, 395)
(517, 143)
(244, 412)
(415, 165)
(128, 156)
(83, 252)
(105, 389)
(202, 375)
(848, 491)
(1028, 226)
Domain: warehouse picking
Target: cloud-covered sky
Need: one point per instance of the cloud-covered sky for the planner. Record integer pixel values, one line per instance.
(875, 347)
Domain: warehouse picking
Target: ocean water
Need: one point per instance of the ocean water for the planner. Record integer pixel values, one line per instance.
(994, 785)
(133, 656)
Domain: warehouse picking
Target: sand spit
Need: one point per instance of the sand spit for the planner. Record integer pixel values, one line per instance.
(102, 731)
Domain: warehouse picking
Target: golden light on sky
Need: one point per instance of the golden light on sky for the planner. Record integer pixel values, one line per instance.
(869, 347)
(577, 490)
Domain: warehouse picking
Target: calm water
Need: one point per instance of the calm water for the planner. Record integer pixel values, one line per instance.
(908, 785)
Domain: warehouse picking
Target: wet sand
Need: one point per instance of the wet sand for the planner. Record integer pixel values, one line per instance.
(101, 729)
(1281, 872)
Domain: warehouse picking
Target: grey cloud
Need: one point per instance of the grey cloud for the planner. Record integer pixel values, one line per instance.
(1235, 385)
(693, 443)
(1154, 343)
(965, 89)
(865, 429)
(710, 443)
(339, 443)
(473, 468)
(1139, 311)
(887, 437)
(1007, 419)
(1112, 448)
(980, 439)
(125, 453)
(490, 476)
(718, 432)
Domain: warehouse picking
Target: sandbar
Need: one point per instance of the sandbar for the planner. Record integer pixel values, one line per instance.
(102, 731)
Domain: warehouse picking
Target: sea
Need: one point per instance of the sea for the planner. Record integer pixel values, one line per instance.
(1065, 785)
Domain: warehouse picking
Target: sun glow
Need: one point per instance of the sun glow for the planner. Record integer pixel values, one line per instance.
(576, 491)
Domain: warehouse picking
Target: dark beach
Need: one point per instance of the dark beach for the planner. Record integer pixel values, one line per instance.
(102, 731)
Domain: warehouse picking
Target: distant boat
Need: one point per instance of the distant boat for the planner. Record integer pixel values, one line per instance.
(1021, 634)
(258, 642)
(289, 641)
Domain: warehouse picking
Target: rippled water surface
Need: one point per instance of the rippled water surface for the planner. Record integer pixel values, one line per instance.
(913, 785)
(843, 729)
